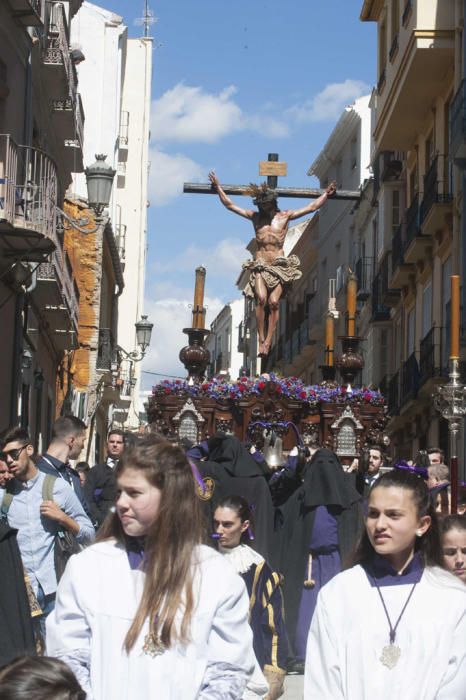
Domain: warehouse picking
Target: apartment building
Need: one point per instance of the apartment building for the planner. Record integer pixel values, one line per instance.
(41, 144)
(225, 341)
(414, 224)
(115, 81)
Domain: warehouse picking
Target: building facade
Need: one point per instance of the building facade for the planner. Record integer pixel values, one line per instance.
(41, 144)
(225, 341)
(416, 196)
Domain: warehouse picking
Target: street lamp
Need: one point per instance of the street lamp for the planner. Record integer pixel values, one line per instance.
(143, 336)
(99, 179)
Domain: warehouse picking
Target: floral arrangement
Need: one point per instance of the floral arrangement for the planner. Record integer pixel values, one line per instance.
(287, 387)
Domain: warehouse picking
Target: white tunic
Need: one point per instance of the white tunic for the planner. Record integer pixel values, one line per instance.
(350, 629)
(97, 599)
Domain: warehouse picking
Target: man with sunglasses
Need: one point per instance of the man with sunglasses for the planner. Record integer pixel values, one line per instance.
(36, 520)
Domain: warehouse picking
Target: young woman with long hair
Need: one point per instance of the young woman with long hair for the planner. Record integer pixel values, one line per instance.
(233, 524)
(393, 625)
(453, 529)
(148, 611)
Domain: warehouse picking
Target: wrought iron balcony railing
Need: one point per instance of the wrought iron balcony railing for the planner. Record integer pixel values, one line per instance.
(434, 180)
(364, 273)
(28, 188)
(409, 379)
(57, 46)
(106, 352)
(430, 355)
(380, 312)
(398, 243)
(412, 221)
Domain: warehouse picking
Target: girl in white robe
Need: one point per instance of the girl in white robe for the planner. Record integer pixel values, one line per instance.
(394, 625)
(148, 612)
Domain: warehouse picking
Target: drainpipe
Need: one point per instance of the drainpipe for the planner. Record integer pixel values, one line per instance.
(17, 353)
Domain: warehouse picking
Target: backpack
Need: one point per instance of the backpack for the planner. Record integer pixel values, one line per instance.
(65, 543)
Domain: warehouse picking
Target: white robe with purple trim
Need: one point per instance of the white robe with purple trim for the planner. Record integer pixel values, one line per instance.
(97, 599)
(350, 629)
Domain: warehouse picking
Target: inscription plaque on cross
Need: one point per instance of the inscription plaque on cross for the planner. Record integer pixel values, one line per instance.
(273, 169)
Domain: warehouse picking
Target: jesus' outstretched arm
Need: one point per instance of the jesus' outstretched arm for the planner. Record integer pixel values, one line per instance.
(226, 201)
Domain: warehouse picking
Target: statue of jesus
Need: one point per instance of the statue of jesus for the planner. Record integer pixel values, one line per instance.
(270, 272)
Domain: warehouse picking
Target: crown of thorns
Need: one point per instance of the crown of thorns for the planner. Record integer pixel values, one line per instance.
(261, 193)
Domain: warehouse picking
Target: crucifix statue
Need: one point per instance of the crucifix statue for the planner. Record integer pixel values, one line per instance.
(270, 272)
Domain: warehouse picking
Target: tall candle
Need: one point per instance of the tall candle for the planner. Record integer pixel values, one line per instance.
(198, 306)
(455, 318)
(329, 338)
(351, 289)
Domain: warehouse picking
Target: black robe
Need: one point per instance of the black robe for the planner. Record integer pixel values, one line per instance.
(324, 484)
(16, 632)
(235, 473)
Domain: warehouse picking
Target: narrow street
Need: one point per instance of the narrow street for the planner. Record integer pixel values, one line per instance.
(294, 688)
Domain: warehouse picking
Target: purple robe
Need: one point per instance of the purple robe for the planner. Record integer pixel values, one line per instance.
(326, 564)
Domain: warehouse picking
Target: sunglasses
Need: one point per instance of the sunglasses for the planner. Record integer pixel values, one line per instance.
(12, 454)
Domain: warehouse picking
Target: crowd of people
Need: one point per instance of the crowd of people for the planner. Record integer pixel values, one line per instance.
(185, 571)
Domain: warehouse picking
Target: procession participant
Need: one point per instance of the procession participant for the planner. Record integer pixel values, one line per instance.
(453, 529)
(148, 611)
(394, 624)
(229, 470)
(40, 678)
(234, 527)
(322, 521)
(271, 273)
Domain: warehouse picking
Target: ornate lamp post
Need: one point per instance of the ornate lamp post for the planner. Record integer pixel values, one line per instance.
(450, 399)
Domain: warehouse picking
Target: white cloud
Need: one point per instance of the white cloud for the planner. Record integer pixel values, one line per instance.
(328, 104)
(170, 315)
(222, 260)
(168, 173)
(189, 114)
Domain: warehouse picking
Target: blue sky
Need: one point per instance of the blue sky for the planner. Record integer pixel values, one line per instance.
(233, 82)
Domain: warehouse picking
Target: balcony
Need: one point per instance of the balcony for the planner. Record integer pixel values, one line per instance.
(68, 119)
(28, 197)
(409, 381)
(380, 312)
(106, 351)
(437, 202)
(390, 296)
(430, 360)
(415, 74)
(416, 242)
(60, 75)
(57, 297)
(29, 13)
(400, 269)
(364, 273)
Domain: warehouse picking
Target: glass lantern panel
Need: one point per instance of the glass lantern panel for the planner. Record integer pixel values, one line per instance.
(188, 427)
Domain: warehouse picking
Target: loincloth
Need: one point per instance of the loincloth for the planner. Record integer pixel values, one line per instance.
(283, 271)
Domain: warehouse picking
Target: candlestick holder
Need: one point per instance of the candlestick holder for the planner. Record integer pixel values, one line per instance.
(195, 356)
(350, 361)
(450, 402)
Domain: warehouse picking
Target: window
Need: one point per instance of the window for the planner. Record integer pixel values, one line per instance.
(430, 150)
(395, 23)
(382, 48)
(396, 211)
(410, 332)
(426, 309)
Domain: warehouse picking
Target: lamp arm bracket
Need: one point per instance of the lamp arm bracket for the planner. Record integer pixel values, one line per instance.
(77, 223)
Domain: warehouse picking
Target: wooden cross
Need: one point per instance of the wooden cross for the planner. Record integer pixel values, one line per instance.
(272, 168)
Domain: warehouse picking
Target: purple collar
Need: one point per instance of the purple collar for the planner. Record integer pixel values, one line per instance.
(378, 568)
(135, 552)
